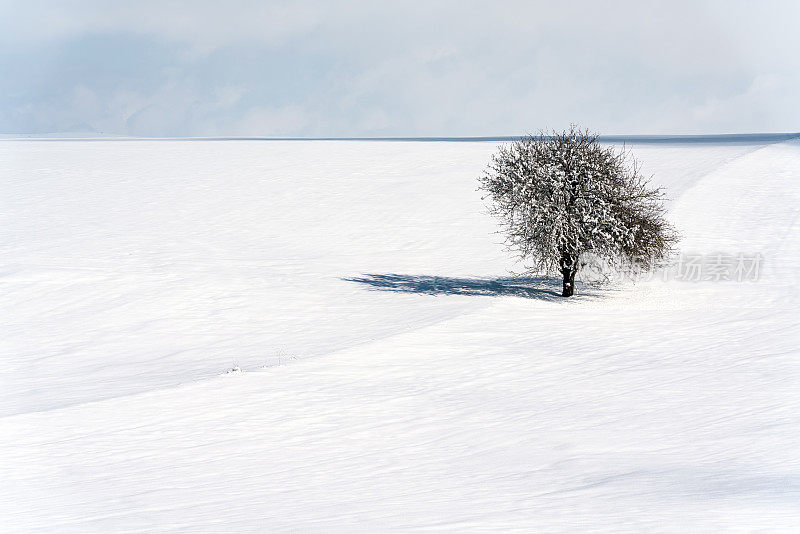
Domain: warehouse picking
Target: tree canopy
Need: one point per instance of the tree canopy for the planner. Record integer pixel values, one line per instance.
(565, 199)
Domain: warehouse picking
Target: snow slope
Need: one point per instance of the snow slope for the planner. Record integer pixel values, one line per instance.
(419, 388)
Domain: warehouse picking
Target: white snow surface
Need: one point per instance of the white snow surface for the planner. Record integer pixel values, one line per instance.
(391, 376)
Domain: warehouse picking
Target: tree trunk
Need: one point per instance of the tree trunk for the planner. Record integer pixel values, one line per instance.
(568, 269)
(569, 282)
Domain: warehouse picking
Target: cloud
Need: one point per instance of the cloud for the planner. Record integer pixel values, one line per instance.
(202, 24)
(354, 68)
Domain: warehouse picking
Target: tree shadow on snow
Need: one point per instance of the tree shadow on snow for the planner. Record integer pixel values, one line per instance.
(541, 288)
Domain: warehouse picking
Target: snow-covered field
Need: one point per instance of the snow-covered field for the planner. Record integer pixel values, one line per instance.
(393, 378)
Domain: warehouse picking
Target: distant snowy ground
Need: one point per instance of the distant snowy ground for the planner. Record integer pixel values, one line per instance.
(419, 389)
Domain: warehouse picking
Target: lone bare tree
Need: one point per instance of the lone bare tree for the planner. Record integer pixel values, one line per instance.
(564, 200)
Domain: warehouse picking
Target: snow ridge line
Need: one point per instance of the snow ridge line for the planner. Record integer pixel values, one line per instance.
(727, 165)
(208, 378)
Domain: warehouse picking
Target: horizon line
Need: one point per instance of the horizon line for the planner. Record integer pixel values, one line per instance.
(639, 138)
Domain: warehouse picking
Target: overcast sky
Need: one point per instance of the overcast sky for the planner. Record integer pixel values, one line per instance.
(399, 68)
